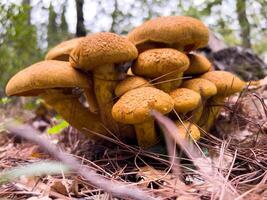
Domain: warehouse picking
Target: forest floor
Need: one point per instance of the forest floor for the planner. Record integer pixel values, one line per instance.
(230, 163)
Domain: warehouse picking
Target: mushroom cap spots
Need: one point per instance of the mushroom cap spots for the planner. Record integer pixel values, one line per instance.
(158, 62)
(185, 100)
(226, 82)
(62, 50)
(34, 79)
(130, 83)
(186, 128)
(199, 64)
(100, 49)
(134, 106)
(182, 32)
(202, 86)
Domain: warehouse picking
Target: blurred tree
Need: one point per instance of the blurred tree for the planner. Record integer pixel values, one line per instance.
(80, 29)
(18, 41)
(63, 23)
(53, 31)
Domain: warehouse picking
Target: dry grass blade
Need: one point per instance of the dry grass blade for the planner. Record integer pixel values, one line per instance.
(114, 187)
(221, 187)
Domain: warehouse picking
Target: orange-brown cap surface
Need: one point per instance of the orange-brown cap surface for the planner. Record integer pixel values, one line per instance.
(134, 106)
(199, 64)
(185, 100)
(157, 62)
(185, 33)
(34, 79)
(130, 83)
(186, 128)
(202, 86)
(100, 49)
(226, 82)
(62, 50)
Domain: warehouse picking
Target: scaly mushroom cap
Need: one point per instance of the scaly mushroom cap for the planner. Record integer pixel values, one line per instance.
(185, 100)
(199, 64)
(185, 33)
(134, 106)
(100, 49)
(226, 82)
(186, 128)
(202, 86)
(62, 50)
(157, 62)
(130, 83)
(32, 80)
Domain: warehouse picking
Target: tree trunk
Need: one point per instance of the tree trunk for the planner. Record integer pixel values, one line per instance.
(80, 29)
(243, 22)
(28, 3)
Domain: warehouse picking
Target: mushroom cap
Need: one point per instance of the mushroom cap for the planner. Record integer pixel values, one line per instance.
(186, 128)
(176, 31)
(202, 86)
(100, 49)
(130, 83)
(32, 80)
(62, 50)
(134, 106)
(157, 62)
(226, 82)
(185, 100)
(199, 64)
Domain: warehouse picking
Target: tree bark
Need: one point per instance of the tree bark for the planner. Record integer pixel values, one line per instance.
(243, 22)
(80, 29)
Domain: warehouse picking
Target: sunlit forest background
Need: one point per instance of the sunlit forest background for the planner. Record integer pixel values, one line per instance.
(29, 28)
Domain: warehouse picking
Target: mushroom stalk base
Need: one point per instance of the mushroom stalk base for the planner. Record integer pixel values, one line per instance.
(145, 133)
(69, 107)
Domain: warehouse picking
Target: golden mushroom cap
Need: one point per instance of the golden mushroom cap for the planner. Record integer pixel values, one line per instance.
(202, 86)
(134, 106)
(62, 50)
(182, 32)
(226, 82)
(199, 64)
(186, 128)
(185, 100)
(157, 62)
(48, 74)
(130, 83)
(100, 49)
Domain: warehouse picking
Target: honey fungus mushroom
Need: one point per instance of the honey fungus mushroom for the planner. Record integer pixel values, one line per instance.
(134, 107)
(186, 129)
(185, 101)
(130, 83)
(178, 32)
(102, 53)
(199, 64)
(53, 81)
(165, 65)
(227, 84)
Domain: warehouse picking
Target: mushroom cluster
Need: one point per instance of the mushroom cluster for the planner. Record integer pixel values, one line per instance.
(123, 78)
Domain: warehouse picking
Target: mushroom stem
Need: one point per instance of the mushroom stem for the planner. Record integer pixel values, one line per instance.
(146, 134)
(69, 107)
(90, 98)
(169, 82)
(105, 80)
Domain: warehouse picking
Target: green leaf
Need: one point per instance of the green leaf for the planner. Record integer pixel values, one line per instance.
(5, 100)
(35, 169)
(58, 128)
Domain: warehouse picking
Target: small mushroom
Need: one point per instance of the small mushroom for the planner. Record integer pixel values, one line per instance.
(227, 84)
(130, 83)
(104, 54)
(185, 101)
(165, 65)
(179, 32)
(199, 64)
(188, 129)
(134, 108)
(54, 80)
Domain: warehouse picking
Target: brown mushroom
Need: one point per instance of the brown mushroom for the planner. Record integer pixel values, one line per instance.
(165, 65)
(102, 53)
(188, 129)
(199, 64)
(134, 108)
